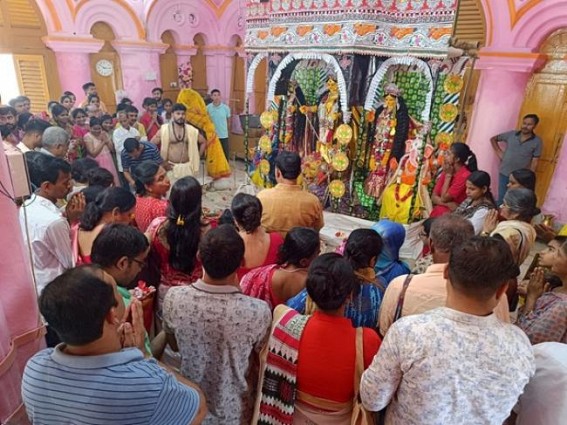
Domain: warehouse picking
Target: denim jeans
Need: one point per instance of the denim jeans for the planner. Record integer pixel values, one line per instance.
(502, 188)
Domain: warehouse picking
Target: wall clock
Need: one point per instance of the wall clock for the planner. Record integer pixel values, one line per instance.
(104, 68)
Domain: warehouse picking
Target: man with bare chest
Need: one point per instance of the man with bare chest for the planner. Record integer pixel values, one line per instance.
(181, 145)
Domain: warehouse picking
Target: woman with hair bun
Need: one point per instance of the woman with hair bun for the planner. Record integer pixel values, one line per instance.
(152, 186)
(523, 177)
(321, 355)
(479, 200)
(277, 283)
(450, 189)
(260, 247)
(175, 236)
(112, 205)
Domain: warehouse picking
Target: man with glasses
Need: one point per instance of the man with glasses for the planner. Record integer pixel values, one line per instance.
(121, 251)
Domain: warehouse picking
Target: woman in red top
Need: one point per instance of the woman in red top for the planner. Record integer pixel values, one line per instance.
(152, 186)
(261, 247)
(174, 237)
(112, 205)
(450, 189)
(277, 283)
(324, 347)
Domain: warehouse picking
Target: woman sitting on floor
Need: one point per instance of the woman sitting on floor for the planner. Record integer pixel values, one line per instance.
(479, 200)
(261, 247)
(310, 366)
(362, 249)
(112, 205)
(277, 283)
(152, 186)
(174, 237)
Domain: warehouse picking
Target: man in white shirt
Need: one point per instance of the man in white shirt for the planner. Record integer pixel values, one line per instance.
(544, 401)
(33, 133)
(42, 223)
(55, 142)
(121, 133)
(457, 364)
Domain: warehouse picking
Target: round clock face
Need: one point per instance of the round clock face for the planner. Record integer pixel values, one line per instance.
(104, 67)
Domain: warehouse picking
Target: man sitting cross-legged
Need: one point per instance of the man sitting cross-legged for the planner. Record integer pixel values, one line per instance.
(98, 375)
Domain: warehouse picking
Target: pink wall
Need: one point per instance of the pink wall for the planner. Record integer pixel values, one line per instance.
(138, 26)
(507, 62)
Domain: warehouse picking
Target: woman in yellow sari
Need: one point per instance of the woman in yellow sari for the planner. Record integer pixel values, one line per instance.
(216, 163)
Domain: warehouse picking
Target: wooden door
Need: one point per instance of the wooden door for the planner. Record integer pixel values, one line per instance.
(168, 68)
(546, 97)
(237, 86)
(199, 65)
(107, 86)
(260, 87)
(32, 79)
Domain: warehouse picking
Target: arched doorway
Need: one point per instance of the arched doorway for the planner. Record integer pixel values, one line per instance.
(21, 31)
(168, 67)
(199, 64)
(106, 85)
(546, 96)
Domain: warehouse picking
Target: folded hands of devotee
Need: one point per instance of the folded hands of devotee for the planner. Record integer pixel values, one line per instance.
(75, 207)
(132, 332)
(490, 222)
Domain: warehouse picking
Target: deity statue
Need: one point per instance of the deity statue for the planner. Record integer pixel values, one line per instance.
(216, 162)
(328, 113)
(401, 189)
(392, 129)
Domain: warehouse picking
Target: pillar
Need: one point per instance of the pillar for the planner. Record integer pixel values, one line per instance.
(499, 98)
(73, 62)
(184, 53)
(219, 69)
(140, 67)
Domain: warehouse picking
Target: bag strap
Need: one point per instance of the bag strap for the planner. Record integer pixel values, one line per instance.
(359, 362)
(400, 305)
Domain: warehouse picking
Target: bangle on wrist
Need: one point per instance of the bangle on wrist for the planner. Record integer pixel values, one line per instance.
(484, 233)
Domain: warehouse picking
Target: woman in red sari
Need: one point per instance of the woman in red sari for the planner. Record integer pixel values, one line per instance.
(152, 186)
(175, 236)
(450, 189)
(277, 283)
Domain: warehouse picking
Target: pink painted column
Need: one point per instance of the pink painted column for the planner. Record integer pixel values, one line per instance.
(73, 61)
(556, 198)
(20, 328)
(499, 98)
(140, 68)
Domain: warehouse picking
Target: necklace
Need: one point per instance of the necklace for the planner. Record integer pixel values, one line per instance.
(178, 139)
(403, 198)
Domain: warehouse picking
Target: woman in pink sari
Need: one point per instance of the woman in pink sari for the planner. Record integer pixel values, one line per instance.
(277, 283)
(100, 148)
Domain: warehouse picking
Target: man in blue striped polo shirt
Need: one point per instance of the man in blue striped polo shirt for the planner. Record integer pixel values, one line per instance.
(136, 152)
(98, 375)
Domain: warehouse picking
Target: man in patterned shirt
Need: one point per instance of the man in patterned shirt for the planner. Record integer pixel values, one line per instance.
(457, 364)
(218, 330)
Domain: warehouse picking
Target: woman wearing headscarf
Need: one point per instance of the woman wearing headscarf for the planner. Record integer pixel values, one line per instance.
(389, 266)
(517, 211)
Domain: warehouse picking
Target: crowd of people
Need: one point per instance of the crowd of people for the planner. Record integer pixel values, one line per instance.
(158, 312)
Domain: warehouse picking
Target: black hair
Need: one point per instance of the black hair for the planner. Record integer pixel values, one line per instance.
(58, 109)
(121, 107)
(63, 97)
(116, 241)
(45, 168)
(106, 117)
(166, 100)
(362, 246)
(7, 110)
(523, 202)
(144, 174)
(5, 131)
(149, 101)
(131, 144)
(481, 179)
(289, 164)
(126, 101)
(78, 111)
(247, 211)
(465, 155)
(81, 167)
(427, 223)
(94, 121)
(131, 109)
(108, 200)
(450, 230)
(91, 193)
(100, 177)
(562, 240)
(179, 107)
(533, 117)
(215, 91)
(23, 119)
(183, 230)
(480, 265)
(93, 96)
(402, 126)
(75, 305)
(36, 126)
(157, 88)
(525, 177)
(69, 93)
(299, 243)
(221, 251)
(88, 85)
(330, 281)
(227, 218)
